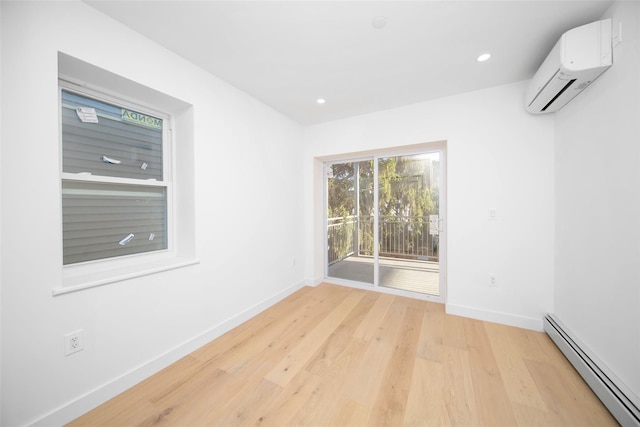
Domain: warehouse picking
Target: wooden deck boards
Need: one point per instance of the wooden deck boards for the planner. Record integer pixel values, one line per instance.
(408, 275)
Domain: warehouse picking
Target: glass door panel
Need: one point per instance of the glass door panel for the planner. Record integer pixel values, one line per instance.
(409, 222)
(350, 239)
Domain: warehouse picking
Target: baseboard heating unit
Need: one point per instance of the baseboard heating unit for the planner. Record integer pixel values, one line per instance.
(620, 401)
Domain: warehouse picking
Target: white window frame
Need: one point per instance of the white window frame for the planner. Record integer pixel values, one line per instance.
(93, 273)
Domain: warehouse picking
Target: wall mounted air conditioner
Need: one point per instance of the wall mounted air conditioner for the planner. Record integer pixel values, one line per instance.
(577, 59)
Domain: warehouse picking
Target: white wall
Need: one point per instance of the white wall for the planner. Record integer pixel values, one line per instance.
(1, 97)
(248, 214)
(499, 157)
(597, 293)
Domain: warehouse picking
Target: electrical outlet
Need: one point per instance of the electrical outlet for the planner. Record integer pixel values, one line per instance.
(73, 342)
(492, 280)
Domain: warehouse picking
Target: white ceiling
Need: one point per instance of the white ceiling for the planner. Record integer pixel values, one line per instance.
(289, 53)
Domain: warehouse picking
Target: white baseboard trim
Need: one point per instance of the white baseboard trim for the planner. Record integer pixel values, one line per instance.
(314, 281)
(83, 404)
(495, 317)
(458, 310)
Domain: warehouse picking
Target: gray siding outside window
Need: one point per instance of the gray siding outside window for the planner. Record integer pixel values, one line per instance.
(104, 219)
(137, 147)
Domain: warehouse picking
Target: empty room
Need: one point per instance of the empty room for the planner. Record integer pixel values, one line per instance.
(320, 213)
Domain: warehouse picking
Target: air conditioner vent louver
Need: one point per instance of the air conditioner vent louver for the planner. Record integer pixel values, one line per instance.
(558, 94)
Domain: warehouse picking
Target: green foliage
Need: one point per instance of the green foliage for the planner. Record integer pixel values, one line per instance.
(405, 187)
(341, 189)
(407, 196)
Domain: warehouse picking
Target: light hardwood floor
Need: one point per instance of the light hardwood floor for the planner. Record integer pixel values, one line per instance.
(336, 356)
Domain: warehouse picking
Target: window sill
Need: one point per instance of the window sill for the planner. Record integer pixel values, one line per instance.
(92, 279)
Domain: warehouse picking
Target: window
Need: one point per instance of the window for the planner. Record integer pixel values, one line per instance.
(134, 160)
(116, 185)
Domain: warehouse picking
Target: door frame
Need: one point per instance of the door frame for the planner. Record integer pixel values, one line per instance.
(431, 147)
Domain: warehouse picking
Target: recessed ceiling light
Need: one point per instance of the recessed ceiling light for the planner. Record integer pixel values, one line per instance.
(483, 57)
(320, 101)
(379, 22)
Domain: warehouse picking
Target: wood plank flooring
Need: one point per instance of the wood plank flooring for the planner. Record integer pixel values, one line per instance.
(337, 356)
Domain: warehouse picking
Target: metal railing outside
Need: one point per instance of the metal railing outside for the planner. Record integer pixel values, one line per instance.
(341, 235)
(407, 237)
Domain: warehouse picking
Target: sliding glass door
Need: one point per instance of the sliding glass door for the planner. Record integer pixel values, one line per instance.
(350, 196)
(408, 223)
(397, 245)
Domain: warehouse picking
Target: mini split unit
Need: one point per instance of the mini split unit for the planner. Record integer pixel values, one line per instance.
(576, 60)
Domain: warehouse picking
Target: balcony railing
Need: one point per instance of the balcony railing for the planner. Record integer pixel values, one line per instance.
(407, 237)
